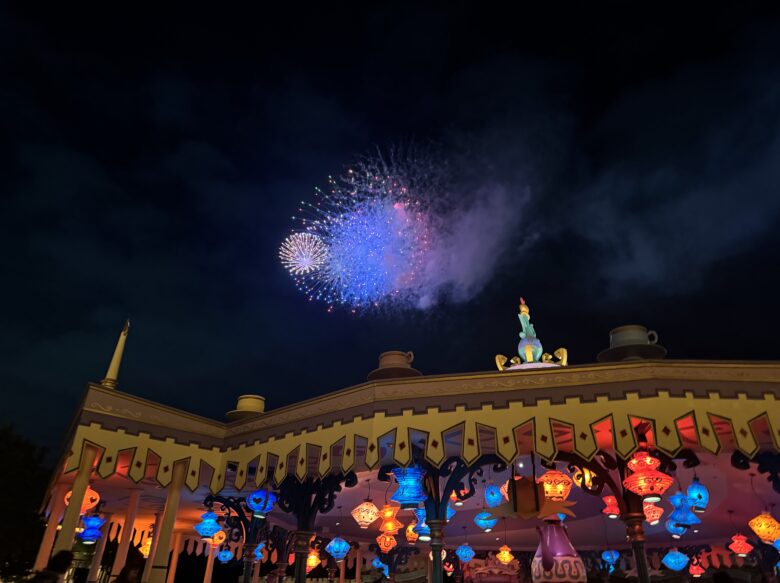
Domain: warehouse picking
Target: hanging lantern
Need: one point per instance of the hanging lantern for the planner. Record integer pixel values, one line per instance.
(696, 570)
(410, 491)
(557, 485)
(91, 532)
(422, 530)
(504, 489)
(583, 477)
(776, 544)
(485, 521)
(504, 555)
(645, 480)
(765, 527)
(338, 548)
(740, 546)
(219, 537)
(259, 551)
(208, 525)
(465, 553)
(698, 495)
(674, 530)
(291, 559)
(682, 515)
(91, 499)
(365, 513)
(449, 568)
(493, 496)
(610, 557)
(611, 508)
(386, 542)
(653, 513)
(146, 547)
(411, 535)
(450, 512)
(261, 502)
(675, 560)
(312, 560)
(224, 556)
(390, 524)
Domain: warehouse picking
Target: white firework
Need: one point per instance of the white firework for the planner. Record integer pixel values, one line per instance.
(303, 253)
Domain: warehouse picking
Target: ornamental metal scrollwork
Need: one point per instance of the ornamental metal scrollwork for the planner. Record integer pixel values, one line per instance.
(306, 499)
(767, 462)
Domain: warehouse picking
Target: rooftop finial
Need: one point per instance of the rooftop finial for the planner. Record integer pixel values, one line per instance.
(111, 380)
(530, 351)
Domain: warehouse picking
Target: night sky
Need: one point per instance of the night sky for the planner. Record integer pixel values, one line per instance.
(152, 160)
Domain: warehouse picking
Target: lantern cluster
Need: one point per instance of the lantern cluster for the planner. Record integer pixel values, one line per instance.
(645, 479)
(557, 485)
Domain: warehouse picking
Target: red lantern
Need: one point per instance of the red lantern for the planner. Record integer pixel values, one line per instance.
(645, 480)
(557, 485)
(653, 513)
(390, 524)
(696, 570)
(611, 508)
(386, 542)
(740, 546)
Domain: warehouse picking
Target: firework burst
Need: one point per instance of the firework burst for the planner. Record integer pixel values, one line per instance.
(303, 253)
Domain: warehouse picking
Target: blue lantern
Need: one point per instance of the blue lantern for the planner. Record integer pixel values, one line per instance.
(338, 548)
(91, 532)
(465, 553)
(259, 551)
(224, 556)
(698, 495)
(421, 528)
(776, 544)
(675, 560)
(208, 527)
(450, 512)
(261, 502)
(378, 564)
(493, 495)
(610, 557)
(682, 515)
(561, 516)
(675, 530)
(485, 521)
(410, 491)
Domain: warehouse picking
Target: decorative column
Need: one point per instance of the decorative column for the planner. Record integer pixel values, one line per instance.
(73, 511)
(97, 557)
(176, 551)
(342, 570)
(163, 537)
(153, 548)
(126, 534)
(437, 544)
(56, 506)
(332, 568)
(358, 563)
(209, 563)
(255, 572)
(636, 536)
(301, 540)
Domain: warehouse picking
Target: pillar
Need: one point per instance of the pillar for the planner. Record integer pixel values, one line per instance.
(100, 547)
(301, 548)
(126, 534)
(212, 551)
(437, 544)
(153, 548)
(342, 570)
(73, 511)
(176, 551)
(636, 535)
(255, 572)
(358, 563)
(56, 506)
(163, 537)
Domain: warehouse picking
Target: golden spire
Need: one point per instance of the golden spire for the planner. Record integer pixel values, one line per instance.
(112, 374)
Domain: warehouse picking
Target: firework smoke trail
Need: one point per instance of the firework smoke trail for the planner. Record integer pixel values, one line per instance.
(388, 235)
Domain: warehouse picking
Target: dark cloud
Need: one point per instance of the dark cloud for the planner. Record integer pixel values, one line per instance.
(624, 168)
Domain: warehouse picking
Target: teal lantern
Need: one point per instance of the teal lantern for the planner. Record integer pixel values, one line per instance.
(91, 533)
(465, 553)
(682, 515)
(261, 502)
(610, 557)
(675, 560)
(410, 490)
(224, 556)
(421, 528)
(208, 526)
(259, 551)
(493, 496)
(698, 495)
(485, 521)
(338, 548)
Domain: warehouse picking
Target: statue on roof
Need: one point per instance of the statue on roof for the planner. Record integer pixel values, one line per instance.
(529, 349)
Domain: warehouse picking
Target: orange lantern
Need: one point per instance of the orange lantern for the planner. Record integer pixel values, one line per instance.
(365, 513)
(146, 548)
(291, 559)
(386, 542)
(312, 560)
(645, 479)
(505, 490)
(557, 485)
(611, 508)
(653, 513)
(411, 536)
(696, 570)
(91, 499)
(583, 477)
(220, 536)
(504, 555)
(390, 524)
(740, 546)
(765, 527)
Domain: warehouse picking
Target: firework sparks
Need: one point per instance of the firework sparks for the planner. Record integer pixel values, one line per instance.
(303, 253)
